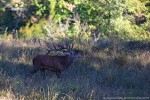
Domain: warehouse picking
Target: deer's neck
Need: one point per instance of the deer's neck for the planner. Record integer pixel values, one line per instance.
(68, 62)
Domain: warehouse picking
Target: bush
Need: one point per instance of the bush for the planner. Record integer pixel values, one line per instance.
(124, 29)
(35, 30)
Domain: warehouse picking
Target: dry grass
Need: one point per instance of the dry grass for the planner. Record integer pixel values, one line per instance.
(104, 71)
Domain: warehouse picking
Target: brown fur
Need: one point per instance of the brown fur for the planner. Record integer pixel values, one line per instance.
(56, 64)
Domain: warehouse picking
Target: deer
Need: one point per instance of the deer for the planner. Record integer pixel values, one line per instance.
(56, 63)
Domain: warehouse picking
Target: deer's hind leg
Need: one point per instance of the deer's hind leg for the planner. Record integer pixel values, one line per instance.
(33, 72)
(43, 72)
(36, 67)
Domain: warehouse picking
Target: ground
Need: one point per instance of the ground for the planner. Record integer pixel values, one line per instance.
(107, 69)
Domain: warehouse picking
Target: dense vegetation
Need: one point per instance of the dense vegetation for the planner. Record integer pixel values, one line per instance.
(114, 36)
(126, 19)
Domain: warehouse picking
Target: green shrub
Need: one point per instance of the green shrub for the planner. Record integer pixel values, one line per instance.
(124, 29)
(35, 30)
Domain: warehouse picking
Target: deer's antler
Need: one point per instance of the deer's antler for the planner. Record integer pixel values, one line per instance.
(52, 47)
(66, 46)
(59, 47)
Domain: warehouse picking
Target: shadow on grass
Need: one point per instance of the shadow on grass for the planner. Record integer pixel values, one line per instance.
(11, 69)
(95, 72)
(130, 75)
(126, 46)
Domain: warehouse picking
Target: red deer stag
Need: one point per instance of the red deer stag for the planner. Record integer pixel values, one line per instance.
(56, 63)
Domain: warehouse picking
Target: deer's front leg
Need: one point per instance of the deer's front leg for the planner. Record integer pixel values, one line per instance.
(58, 74)
(58, 71)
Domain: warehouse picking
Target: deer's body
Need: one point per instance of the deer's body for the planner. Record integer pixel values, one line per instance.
(56, 63)
(52, 62)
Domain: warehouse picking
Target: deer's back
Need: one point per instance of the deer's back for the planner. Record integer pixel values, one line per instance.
(51, 61)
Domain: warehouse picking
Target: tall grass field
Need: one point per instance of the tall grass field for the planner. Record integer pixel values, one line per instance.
(107, 70)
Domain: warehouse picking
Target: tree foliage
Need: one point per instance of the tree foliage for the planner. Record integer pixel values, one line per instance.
(126, 19)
